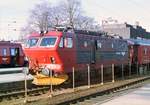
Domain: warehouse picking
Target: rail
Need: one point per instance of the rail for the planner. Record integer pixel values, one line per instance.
(84, 92)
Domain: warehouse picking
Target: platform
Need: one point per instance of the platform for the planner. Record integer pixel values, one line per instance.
(139, 97)
(6, 78)
(13, 70)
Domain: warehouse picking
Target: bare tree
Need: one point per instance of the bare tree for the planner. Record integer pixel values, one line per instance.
(26, 30)
(57, 15)
(73, 11)
(68, 12)
(39, 16)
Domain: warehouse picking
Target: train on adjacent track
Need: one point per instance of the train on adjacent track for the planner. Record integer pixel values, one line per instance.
(13, 66)
(11, 55)
(61, 50)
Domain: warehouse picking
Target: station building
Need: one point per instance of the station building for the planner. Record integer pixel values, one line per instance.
(125, 30)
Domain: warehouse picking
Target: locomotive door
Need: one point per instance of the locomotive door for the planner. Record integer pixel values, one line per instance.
(14, 56)
(93, 51)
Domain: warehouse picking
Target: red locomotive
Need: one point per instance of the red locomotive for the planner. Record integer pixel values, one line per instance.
(60, 51)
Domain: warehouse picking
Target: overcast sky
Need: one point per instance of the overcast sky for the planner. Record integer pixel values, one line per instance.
(122, 10)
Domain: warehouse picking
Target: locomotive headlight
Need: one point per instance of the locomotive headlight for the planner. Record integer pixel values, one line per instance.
(52, 60)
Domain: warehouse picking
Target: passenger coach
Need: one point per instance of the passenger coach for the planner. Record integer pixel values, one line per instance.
(139, 53)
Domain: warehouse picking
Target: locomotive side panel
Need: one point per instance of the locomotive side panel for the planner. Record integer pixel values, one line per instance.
(83, 46)
(97, 50)
(112, 51)
(66, 52)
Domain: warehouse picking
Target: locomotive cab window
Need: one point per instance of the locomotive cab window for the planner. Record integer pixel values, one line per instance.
(4, 51)
(61, 44)
(68, 43)
(48, 42)
(31, 42)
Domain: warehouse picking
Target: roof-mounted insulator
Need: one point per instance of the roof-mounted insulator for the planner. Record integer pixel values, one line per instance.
(60, 28)
(63, 28)
(41, 33)
(45, 32)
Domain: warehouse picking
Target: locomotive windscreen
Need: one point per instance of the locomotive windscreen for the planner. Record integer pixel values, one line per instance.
(31, 42)
(48, 41)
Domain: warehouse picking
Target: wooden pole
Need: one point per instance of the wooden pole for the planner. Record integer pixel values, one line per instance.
(73, 80)
(25, 84)
(51, 82)
(113, 77)
(102, 75)
(147, 66)
(137, 68)
(145, 70)
(88, 76)
(129, 69)
(148, 69)
(122, 71)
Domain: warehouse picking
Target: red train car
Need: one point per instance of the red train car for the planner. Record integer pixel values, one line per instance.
(11, 55)
(59, 51)
(140, 51)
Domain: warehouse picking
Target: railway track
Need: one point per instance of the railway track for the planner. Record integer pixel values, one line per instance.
(31, 92)
(83, 93)
(99, 99)
(80, 93)
(106, 94)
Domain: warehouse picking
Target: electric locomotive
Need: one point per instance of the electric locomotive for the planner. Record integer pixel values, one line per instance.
(56, 52)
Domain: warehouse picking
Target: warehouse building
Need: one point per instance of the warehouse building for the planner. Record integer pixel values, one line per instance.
(125, 30)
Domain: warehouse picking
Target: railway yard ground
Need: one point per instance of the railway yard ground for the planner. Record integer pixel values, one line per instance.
(82, 95)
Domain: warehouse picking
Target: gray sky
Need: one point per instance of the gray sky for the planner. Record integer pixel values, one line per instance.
(122, 10)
